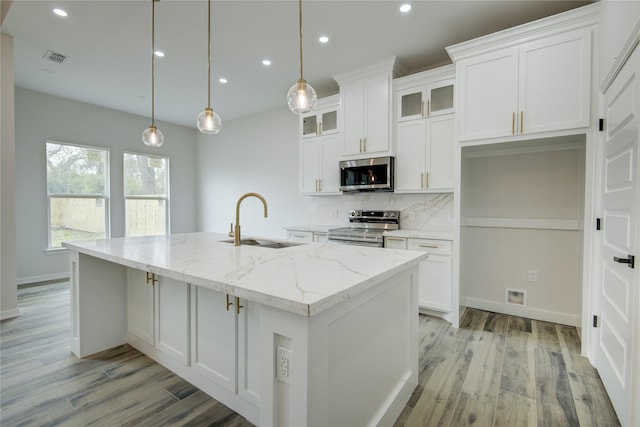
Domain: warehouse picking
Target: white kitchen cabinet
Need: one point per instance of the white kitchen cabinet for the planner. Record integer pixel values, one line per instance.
(300, 236)
(427, 100)
(323, 121)
(320, 237)
(366, 104)
(158, 312)
(319, 158)
(539, 86)
(435, 275)
(425, 154)
(224, 341)
(140, 306)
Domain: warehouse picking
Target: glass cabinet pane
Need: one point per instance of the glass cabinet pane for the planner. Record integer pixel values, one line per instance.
(441, 98)
(329, 121)
(309, 125)
(411, 105)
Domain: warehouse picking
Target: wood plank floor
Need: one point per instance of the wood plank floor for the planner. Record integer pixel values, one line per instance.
(496, 370)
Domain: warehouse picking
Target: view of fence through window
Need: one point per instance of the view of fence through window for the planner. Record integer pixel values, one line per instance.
(77, 192)
(146, 185)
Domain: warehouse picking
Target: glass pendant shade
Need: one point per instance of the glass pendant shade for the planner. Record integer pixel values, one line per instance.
(301, 97)
(152, 137)
(209, 122)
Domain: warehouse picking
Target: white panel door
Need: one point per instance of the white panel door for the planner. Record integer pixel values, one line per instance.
(214, 337)
(310, 152)
(617, 354)
(249, 352)
(487, 95)
(330, 177)
(172, 321)
(351, 97)
(441, 142)
(434, 291)
(555, 83)
(410, 155)
(376, 109)
(140, 305)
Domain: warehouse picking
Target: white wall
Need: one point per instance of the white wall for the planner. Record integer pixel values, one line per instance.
(523, 211)
(8, 273)
(41, 117)
(260, 153)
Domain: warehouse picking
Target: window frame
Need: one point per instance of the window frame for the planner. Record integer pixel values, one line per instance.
(165, 198)
(106, 197)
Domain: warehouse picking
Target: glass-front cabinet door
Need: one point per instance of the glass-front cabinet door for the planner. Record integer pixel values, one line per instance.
(322, 121)
(425, 101)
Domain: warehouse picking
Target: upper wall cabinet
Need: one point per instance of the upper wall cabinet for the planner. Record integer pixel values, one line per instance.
(425, 94)
(530, 79)
(323, 121)
(365, 100)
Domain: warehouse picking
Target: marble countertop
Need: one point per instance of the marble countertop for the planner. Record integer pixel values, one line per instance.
(305, 279)
(421, 234)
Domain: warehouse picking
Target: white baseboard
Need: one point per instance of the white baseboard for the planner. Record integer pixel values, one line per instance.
(9, 314)
(528, 312)
(42, 278)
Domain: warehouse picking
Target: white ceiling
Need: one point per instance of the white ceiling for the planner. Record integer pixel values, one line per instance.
(108, 47)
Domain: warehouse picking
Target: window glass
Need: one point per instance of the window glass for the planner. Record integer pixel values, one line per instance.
(77, 192)
(146, 185)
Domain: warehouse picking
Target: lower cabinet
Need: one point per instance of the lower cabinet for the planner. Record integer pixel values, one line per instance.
(158, 310)
(307, 236)
(225, 341)
(211, 334)
(434, 290)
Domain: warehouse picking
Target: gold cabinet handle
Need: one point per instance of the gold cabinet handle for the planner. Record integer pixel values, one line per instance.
(300, 236)
(422, 108)
(238, 306)
(364, 143)
(319, 185)
(396, 239)
(360, 149)
(321, 129)
(426, 180)
(151, 277)
(229, 303)
(428, 107)
(521, 121)
(421, 179)
(429, 246)
(317, 128)
(513, 123)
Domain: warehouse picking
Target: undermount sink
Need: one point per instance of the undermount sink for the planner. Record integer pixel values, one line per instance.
(264, 243)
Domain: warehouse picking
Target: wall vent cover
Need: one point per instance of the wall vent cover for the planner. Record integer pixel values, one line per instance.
(56, 57)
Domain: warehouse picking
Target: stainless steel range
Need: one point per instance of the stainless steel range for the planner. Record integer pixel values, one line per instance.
(367, 228)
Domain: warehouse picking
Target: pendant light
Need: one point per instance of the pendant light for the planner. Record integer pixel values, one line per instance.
(208, 121)
(301, 97)
(152, 135)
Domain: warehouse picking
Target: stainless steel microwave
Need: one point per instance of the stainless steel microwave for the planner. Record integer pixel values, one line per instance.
(374, 174)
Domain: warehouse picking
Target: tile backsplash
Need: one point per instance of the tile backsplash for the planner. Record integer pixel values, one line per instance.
(432, 212)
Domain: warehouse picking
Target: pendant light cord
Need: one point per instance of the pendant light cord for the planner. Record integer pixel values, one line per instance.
(300, 21)
(209, 57)
(153, 54)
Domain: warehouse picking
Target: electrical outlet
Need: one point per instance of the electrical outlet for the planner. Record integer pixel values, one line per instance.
(283, 364)
(532, 275)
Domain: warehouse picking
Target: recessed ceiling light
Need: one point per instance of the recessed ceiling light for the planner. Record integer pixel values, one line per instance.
(266, 62)
(323, 39)
(222, 80)
(159, 53)
(405, 8)
(60, 12)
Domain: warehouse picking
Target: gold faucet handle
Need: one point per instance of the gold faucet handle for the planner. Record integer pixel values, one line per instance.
(231, 233)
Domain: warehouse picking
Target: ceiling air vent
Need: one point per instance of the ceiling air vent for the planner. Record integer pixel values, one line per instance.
(56, 57)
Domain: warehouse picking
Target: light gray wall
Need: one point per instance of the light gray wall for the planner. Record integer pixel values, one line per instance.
(8, 262)
(260, 153)
(41, 117)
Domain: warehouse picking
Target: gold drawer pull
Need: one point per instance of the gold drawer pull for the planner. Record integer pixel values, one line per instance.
(429, 246)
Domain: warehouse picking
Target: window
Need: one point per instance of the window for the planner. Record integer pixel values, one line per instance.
(77, 190)
(146, 195)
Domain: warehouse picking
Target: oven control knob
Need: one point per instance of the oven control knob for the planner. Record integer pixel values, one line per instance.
(352, 213)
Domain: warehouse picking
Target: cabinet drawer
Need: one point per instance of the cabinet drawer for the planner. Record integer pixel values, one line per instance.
(430, 245)
(395, 242)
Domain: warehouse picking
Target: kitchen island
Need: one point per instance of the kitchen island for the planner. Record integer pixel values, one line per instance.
(303, 335)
